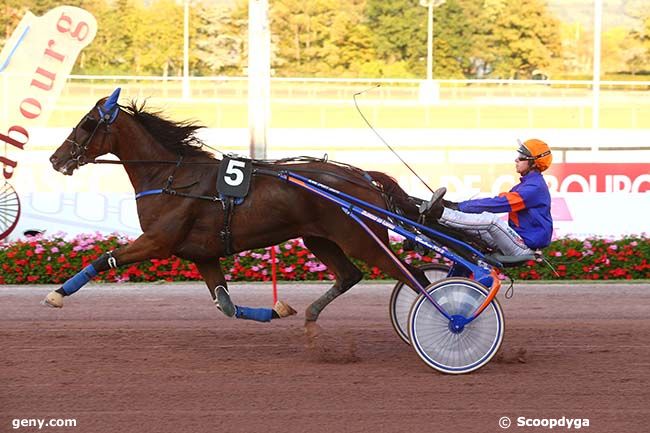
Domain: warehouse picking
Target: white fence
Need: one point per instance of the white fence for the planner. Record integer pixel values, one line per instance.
(320, 102)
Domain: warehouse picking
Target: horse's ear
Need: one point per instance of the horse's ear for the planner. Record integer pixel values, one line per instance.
(111, 102)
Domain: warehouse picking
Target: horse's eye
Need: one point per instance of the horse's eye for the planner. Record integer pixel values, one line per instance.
(89, 124)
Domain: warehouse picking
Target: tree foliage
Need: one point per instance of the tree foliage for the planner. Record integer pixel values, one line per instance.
(640, 59)
(220, 42)
(320, 37)
(346, 38)
(520, 36)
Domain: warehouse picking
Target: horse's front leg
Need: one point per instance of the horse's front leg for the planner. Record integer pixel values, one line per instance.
(216, 282)
(143, 248)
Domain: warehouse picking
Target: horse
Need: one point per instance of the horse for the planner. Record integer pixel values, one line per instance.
(181, 214)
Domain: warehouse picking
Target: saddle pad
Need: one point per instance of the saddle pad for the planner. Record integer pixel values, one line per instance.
(234, 178)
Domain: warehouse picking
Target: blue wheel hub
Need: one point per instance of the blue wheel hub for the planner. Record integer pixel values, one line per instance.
(457, 323)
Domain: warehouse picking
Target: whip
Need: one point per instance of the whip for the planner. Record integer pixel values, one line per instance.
(382, 138)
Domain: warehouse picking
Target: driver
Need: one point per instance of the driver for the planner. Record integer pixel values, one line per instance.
(528, 204)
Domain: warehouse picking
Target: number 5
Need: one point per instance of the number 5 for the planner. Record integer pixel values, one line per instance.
(234, 174)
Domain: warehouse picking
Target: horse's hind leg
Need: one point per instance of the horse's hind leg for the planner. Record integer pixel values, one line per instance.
(214, 279)
(347, 274)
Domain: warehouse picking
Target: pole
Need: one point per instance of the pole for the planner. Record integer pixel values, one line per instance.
(598, 30)
(430, 89)
(274, 276)
(259, 76)
(430, 42)
(186, 49)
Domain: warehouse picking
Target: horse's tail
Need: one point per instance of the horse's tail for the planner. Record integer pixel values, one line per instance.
(395, 193)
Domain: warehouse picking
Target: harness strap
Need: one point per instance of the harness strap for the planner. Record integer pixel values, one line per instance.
(226, 233)
(149, 192)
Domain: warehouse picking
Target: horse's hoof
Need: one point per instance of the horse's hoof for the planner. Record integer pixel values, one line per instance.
(53, 299)
(283, 309)
(224, 303)
(312, 330)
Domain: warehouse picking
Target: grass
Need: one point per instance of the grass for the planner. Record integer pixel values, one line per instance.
(223, 104)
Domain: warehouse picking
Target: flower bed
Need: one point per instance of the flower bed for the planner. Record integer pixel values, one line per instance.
(44, 260)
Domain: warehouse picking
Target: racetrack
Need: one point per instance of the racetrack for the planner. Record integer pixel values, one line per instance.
(161, 358)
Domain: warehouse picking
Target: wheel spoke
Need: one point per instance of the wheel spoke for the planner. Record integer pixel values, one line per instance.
(403, 298)
(9, 209)
(441, 348)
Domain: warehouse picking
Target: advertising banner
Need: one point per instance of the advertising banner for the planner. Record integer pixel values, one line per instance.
(588, 198)
(34, 66)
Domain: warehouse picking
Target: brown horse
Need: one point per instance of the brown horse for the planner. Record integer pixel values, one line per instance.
(178, 223)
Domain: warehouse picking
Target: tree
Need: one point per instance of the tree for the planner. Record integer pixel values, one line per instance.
(521, 36)
(106, 53)
(221, 37)
(577, 48)
(12, 13)
(613, 51)
(320, 37)
(457, 37)
(157, 45)
(400, 30)
(640, 59)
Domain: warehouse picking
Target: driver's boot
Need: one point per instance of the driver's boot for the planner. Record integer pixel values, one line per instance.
(432, 210)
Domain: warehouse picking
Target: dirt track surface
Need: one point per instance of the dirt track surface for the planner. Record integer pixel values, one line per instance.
(161, 358)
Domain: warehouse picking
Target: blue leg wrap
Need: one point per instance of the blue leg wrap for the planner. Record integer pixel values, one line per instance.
(257, 314)
(78, 281)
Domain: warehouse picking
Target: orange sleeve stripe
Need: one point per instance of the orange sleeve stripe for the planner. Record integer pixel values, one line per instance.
(515, 200)
(514, 218)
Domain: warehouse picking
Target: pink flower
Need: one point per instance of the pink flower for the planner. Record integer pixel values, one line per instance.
(318, 268)
(54, 250)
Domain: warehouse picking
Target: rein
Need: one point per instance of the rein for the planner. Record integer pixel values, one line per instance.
(109, 112)
(150, 161)
(371, 185)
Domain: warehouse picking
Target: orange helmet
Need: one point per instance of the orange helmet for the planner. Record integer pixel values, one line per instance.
(537, 151)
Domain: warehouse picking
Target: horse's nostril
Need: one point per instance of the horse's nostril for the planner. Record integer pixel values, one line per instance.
(53, 159)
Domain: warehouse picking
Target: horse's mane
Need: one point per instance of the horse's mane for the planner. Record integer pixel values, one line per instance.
(179, 137)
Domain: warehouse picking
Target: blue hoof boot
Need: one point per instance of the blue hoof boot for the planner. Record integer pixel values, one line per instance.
(223, 302)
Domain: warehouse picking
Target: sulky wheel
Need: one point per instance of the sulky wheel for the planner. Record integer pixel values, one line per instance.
(455, 349)
(403, 297)
(9, 209)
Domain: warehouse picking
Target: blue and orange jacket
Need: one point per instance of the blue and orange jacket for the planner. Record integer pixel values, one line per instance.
(529, 206)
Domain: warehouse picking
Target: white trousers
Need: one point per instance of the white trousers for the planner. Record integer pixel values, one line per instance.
(488, 227)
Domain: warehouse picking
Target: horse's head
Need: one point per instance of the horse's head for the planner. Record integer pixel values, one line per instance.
(90, 138)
